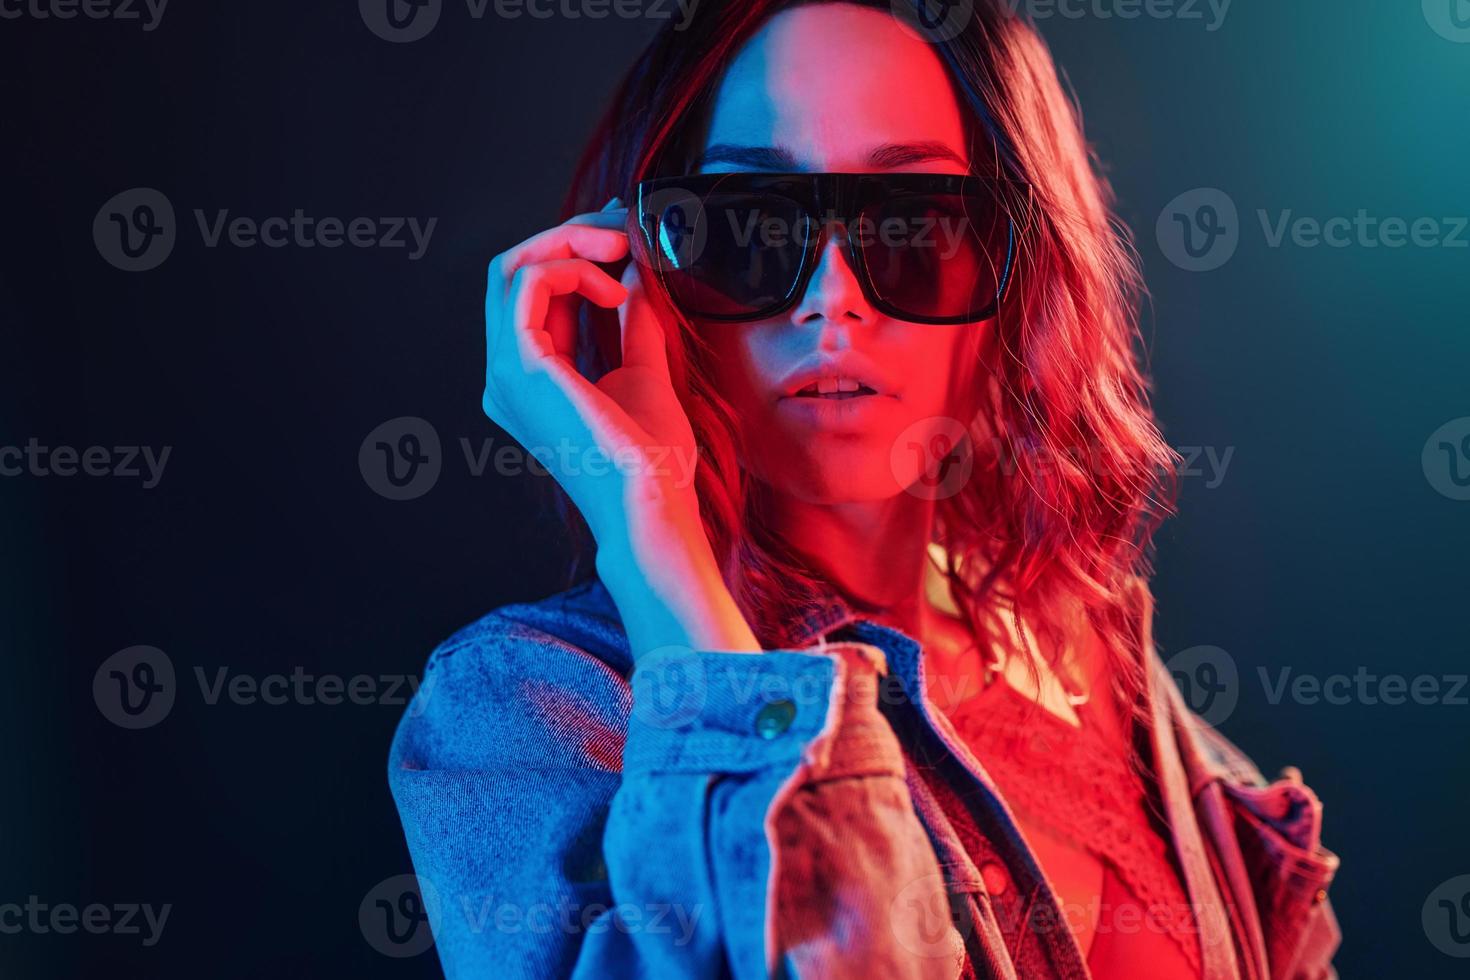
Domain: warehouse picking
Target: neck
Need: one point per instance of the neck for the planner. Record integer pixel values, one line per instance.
(875, 552)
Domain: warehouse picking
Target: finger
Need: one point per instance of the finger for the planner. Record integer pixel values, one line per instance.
(644, 342)
(503, 338)
(613, 215)
(600, 219)
(596, 243)
(532, 290)
(561, 319)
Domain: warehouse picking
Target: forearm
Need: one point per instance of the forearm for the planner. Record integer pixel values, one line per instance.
(668, 588)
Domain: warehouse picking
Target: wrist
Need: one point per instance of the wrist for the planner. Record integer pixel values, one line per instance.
(669, 590)
(658, 540)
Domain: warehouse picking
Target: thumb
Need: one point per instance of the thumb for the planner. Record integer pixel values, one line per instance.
(644, 340)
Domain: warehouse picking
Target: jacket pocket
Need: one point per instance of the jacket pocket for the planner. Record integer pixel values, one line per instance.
(1278, 827)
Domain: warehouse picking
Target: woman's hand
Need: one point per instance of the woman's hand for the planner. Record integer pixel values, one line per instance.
(624, 442)
(622, 448)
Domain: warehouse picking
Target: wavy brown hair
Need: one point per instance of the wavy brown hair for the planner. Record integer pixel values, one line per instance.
(1070, 474)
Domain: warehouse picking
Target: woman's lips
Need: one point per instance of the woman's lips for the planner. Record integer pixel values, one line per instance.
(838, 395)
(844, 411)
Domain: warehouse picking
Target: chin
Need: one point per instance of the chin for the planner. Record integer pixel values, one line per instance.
(838, 478)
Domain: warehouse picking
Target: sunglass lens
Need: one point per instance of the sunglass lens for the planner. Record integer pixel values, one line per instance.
(935, 256)
(728, 254)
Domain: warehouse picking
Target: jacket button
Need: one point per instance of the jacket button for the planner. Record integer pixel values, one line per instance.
(995, 878)
(774, 718)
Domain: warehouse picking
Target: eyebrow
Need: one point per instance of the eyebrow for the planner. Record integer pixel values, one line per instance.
(779, 159)
(774, 158)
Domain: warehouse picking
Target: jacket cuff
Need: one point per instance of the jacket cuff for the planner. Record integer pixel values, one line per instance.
(717, 712)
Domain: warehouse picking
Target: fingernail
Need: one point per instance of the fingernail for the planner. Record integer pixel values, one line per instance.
(614, 200)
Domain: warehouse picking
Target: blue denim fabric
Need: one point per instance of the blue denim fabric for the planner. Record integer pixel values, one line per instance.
(797, 813)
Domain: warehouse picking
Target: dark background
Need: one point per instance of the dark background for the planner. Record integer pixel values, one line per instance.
(1326, 547)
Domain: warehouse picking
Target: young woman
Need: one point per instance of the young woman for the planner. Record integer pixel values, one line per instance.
(861, 682)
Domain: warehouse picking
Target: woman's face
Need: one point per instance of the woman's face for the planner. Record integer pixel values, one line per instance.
(836, 87)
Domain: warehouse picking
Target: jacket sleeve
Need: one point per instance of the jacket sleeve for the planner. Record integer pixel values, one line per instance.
(723, 814)
(1277, 827)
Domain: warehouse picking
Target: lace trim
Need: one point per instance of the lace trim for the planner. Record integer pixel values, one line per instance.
(1080, 786)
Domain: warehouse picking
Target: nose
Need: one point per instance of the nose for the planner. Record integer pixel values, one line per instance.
(832, 293)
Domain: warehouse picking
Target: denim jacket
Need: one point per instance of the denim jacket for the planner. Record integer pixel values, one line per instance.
(803, 812)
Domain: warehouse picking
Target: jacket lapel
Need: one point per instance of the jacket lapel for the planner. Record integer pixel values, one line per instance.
(1222, 921)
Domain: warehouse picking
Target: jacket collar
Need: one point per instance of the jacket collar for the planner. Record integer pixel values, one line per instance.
(830, 613)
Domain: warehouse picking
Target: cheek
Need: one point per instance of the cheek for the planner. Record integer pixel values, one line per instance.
(942, 368)
(741, 371)
(939, 365)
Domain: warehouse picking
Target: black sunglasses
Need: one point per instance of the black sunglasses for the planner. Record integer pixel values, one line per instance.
(926, 248)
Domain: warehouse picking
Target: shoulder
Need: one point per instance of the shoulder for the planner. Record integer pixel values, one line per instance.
(583, 616)
(520, 685)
